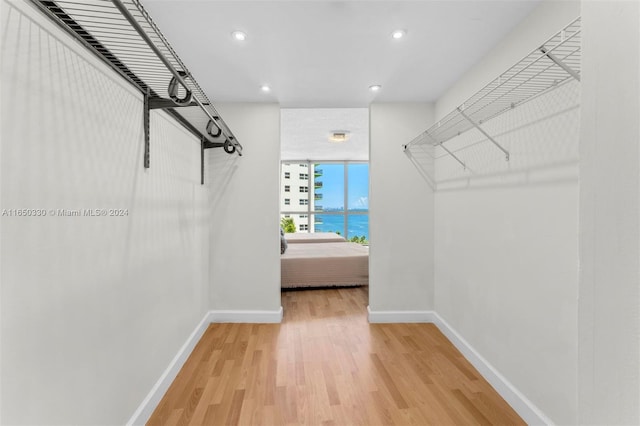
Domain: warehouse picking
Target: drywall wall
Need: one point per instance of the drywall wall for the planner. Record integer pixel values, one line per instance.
(93, 308)
(506, 240)
(400, 211)
(506, 279)
(609, 307)
(244, 215)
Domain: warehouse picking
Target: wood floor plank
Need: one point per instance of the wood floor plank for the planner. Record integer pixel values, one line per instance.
(326, 365)
(233, 416)
(207, 394)
(477, 414)
(389, 384)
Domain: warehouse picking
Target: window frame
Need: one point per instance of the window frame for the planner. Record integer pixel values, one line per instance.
(346, 212)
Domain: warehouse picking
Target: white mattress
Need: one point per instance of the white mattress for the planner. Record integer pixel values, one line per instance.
(325, 264)
(316, 237)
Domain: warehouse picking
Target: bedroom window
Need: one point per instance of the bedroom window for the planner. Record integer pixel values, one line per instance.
(336, 198)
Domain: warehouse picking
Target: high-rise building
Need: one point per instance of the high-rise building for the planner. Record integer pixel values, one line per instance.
(299, 191)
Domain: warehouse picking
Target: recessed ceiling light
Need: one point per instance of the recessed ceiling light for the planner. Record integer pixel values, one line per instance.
(239, 35)
(375, 88)
(265, 88)
(398, 34)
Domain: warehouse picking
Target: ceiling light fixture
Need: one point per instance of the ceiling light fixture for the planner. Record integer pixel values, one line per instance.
(239, 35)
(375, 88)
(398, 34)
(265, 88)
(339, 136)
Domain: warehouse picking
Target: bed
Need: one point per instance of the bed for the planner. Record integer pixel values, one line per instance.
(315, 237)
(325, 265)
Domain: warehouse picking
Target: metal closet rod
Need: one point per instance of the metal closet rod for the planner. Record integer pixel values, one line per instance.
(176, 74)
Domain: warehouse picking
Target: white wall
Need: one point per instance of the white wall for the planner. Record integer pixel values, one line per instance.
(609, 308)
(506, 279)
(506, 247)
(93, 308)
(400, 211)
(245, 220)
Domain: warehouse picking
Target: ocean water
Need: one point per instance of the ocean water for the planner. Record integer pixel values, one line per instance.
(358, 224)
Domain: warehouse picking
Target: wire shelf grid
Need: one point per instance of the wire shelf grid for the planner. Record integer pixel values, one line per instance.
(554, 63)
(104, 27)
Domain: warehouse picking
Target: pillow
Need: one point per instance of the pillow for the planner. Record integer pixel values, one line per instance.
(283, 241)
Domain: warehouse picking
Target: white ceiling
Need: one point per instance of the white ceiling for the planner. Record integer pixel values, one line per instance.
(305, 134)
(325, 54)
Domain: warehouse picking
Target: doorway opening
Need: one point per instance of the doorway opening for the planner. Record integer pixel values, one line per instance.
(324, 198)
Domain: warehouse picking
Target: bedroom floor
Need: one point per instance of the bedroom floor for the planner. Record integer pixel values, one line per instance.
(326, 365)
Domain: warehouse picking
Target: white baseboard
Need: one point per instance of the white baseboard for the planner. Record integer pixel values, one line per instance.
(247, 316)
(144, 411)
(400, 316)
(525, 408)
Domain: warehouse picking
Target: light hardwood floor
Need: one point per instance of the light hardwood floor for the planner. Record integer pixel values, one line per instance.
(326, 365)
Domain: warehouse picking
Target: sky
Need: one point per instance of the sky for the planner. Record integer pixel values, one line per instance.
(333, 186)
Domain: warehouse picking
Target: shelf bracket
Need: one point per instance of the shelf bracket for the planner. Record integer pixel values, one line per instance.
(448, 151)
(464, 166)
(477, 126)
(202, 142)
(204, 145)
(208, 145)
(145, 119)
(157, 102)
(559, 63)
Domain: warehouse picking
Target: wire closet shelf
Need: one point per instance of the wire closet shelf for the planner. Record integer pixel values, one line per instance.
(121, 33)
(555, 62)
